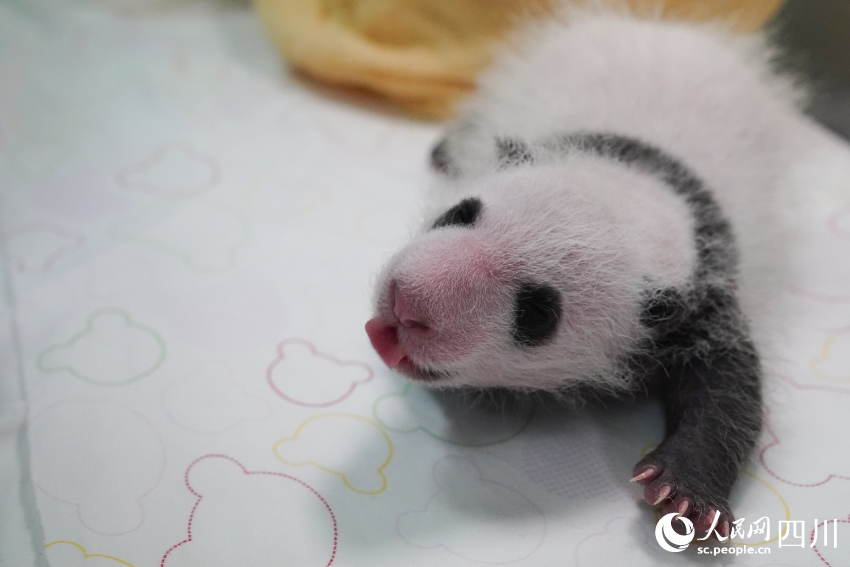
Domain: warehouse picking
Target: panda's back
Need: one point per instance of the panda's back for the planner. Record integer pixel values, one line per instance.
(702, 94)
(705, 96)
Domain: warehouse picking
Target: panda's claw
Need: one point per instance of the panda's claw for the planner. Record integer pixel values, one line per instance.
(687, 497)
(645, 475)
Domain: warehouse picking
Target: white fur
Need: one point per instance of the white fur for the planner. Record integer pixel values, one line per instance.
(595, 229)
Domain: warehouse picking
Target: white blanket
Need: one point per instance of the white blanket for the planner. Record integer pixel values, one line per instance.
(188, 240)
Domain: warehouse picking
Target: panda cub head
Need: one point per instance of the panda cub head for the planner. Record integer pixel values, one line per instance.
(528, 277)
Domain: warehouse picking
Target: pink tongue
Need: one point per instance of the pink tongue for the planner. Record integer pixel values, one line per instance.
(384, 339)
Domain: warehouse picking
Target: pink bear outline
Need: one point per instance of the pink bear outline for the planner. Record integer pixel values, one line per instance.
(815, 547)
(834, 223)
(776, 441)
(827, 298)
(247, 472)
(315, 352)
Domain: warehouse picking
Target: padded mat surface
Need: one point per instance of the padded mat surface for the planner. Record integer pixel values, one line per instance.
(188, 239)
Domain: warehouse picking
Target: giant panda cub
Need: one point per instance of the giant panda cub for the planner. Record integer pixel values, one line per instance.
(600, 222)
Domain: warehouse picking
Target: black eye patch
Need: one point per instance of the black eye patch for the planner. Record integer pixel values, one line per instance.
(464, 213)
(537, 311)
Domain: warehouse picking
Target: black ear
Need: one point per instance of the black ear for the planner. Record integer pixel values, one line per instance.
(441, 161)
(464, 213)
(513, 152)
(537, 312)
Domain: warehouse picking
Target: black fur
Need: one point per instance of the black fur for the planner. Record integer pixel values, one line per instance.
(441, 161)
(510, 153)
(705, 367)
(464, 213)
(513, 152)
(663, 309)
(537, 311)
(713, 238)
(700, 358)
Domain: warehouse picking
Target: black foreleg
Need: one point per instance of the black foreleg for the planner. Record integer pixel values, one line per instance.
(712, 402)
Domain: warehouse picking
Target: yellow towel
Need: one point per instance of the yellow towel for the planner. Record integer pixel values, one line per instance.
(424, 55)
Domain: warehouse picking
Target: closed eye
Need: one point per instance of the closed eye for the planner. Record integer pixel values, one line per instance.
(537, 312)
(465, 213)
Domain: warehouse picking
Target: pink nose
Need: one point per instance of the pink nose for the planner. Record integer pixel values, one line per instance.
(384, 339)
(406, 313)
(383, 334)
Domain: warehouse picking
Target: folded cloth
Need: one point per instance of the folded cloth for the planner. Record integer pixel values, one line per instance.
(425, 55)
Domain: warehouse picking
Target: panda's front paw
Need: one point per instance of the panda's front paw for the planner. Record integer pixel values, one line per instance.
(684, 489)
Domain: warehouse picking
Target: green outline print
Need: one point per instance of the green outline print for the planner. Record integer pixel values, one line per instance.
(521, 424)
(252, 196)
(43, 364)
(137, 234)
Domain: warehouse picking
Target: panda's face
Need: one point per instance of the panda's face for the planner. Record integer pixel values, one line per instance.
(510, 285)
(537, 306)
